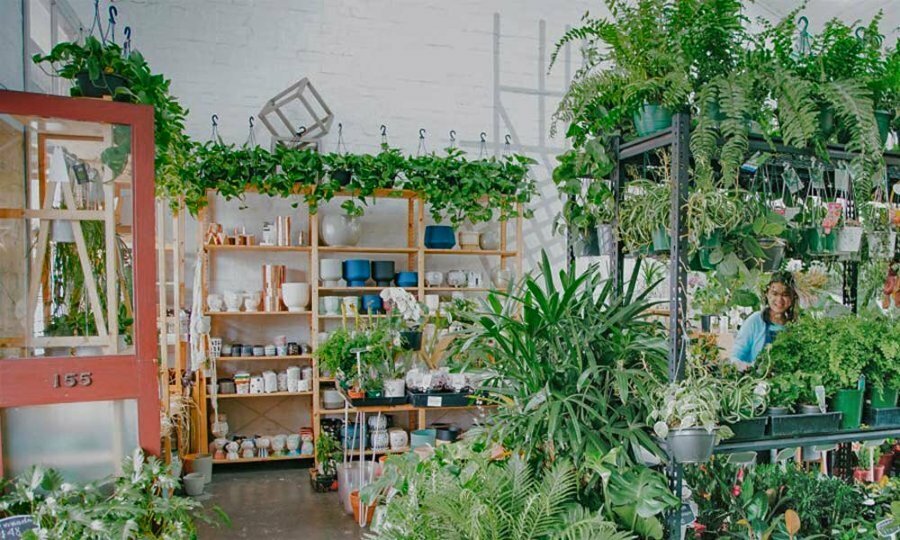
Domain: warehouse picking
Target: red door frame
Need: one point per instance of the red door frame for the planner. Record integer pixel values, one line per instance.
(29, 381)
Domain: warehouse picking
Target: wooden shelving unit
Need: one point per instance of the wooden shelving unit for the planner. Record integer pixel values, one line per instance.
(412, 252)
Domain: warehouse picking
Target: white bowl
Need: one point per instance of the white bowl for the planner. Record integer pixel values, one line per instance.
(295, 295)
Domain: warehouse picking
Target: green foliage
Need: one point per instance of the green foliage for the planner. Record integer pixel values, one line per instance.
(328, 453)
(569, 373)
(142, 86)
(460, 494)
(644, 209)
(134, 505)
(588, 197)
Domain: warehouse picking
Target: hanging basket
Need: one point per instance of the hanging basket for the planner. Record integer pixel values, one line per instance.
(774, 250)
(691, 445)
(849, 240)
(881, 244)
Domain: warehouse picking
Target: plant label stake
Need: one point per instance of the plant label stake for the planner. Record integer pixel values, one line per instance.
(820, 398)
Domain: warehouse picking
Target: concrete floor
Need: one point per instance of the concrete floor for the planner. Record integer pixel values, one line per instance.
(275, 500)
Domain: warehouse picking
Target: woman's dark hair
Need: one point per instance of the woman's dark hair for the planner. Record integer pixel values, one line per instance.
(786, 279)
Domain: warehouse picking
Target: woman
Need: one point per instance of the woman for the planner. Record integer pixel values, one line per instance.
(760, 328)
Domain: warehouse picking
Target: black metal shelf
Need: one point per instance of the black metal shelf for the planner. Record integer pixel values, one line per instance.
(808, 440)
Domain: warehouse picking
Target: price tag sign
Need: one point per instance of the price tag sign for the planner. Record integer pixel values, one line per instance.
(12, 528)
(435, 401)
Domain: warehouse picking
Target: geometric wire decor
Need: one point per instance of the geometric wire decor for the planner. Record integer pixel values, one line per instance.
(297, 117)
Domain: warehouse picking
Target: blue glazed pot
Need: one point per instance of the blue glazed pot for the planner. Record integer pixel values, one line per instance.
(372, 304)
(356, 272)
(407, 279)
(440, 237)
(383, 273)
(351, 436)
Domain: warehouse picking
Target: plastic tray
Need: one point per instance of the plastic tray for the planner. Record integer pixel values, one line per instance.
(882, 417)
(441, 399)
(804, 424)
(749, 430)
(379, 401)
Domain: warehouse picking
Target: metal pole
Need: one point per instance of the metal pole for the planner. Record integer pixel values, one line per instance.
(617, 257)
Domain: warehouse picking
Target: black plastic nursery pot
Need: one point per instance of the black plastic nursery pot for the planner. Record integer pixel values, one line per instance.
(749, 430)
(412, 340)
(882, 417)
(342, 176)
(804, 424)
(106, 85)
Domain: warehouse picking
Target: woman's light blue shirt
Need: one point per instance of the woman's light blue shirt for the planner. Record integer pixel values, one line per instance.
(752, 338)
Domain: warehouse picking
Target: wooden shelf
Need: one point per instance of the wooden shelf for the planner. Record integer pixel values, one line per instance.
(359, 289)
(406, 407)
(369, 249)
(355, 453)
(213, 248)
(270, 394)
(349, 317)
(255, 358)
(260, 460)
(457, 289)
(256, 313)
(491, 252)
(382, 194)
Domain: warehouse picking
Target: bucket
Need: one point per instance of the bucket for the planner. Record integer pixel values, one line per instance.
(849, 402)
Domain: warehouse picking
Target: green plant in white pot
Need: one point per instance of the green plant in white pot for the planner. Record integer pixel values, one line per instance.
(686, 414)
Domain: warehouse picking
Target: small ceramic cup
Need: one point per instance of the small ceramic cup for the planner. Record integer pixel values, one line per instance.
(215, 302)
(332, 305)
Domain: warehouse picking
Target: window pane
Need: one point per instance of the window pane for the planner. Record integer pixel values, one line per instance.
(84, 441)
(65, 237)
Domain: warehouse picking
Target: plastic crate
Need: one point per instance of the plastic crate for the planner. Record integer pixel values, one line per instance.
(804, 424)
(750, 429)
(882, 417)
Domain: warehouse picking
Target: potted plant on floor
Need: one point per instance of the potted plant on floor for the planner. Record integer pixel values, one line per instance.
(328, 453)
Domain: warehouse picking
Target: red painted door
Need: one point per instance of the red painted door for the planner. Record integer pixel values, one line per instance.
(78, 371)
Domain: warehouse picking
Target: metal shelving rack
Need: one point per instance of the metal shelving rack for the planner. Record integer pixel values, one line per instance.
(416, 255)
(677, 140)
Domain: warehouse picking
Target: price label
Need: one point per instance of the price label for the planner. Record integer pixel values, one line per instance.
(435, 401)
(13, 528)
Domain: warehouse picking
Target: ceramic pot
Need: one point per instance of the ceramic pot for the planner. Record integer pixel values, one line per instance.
(457, 278)
(202, 464)
(377, 422)
(691, 445)
(330, 271)
(339, 230)
(434, 278)
(332, 399)
(407, 279)
(293, 444)
(251, 301)
(849, 240)
(379, 440)
(422, 437)
(215, 302)
(193, 484)
(439, 237)
(61, 231)
(399, 438)
(307, 448)
(394, 388)
(809, 409)
(469, 240)
(372, 304)
(502, 278)
(777, 411)
(383, 272)
(351, 436)
(351, 304)
(356, 272)
(331, 305)
(233, 301)
(295, 296)
(490, 240)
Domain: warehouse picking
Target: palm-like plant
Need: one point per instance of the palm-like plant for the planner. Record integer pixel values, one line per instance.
(570, 359)
(477, 499)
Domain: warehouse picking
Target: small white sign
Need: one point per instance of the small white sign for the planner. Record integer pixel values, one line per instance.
(435, 401)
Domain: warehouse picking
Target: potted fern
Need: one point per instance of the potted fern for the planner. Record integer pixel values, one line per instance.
(644, 216)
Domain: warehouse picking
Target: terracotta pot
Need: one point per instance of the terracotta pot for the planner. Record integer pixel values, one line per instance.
(878, 473)
(356, 394)
(354, 502)
(862, 475)
(886, 461)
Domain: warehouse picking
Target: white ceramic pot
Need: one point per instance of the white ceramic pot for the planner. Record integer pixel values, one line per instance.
(339, 230)
(331, 305)
(257, 384)
(457, 278)
(379, 440)
(332, 399)
(293, 444)
(434, 278)
(377, 422)
(251, 301)
(295, 296)
(330, 272)
(215, 302)
(61, 231)
(490, 240)
(233, 301)
(469, 239)
(193, 484)
(398, 438)
(502, 278)
(432, 302)
(307, 448)
(849, 240)
(394, 388)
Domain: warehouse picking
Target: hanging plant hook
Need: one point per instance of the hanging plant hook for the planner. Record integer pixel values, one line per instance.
(126, 47)
(452, 135)
(251, 122)
(507, 139)
(383, 130)
(340, 129)
(113, 13)
(803, 23)
(215, 120)
(422, 134)
(301, 130)
(483, 136)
